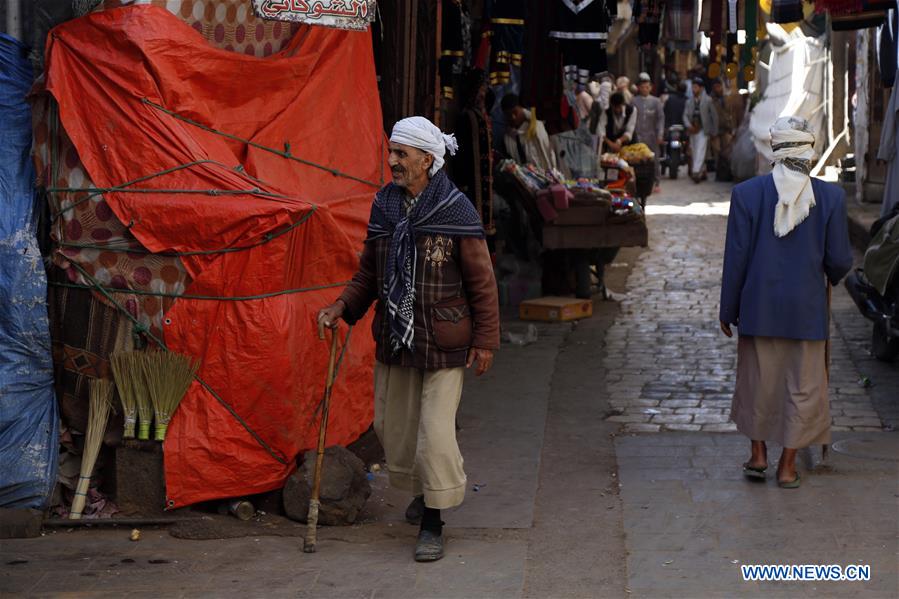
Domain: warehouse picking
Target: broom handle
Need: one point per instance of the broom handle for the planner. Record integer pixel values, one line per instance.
(312, 517)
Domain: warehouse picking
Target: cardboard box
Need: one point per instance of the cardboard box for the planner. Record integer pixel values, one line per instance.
(555, 309)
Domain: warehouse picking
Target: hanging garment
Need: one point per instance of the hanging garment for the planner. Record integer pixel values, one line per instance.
(472, 167)
(733, 15)
(648, 11)
(860, 21)
(887, 51)
(889, 149)
(838, 7)
(786, 11)
(541, 77)
(577, 156)
(849, 15)
(507, 20)
(452, 54)
(582, 29)
(648, 16)
(679, 21)
(751, 23)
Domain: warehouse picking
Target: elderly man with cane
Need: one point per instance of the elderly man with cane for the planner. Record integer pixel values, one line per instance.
(787, 242)
(426, 263)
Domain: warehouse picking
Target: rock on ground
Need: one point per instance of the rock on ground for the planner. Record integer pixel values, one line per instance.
(344, 488)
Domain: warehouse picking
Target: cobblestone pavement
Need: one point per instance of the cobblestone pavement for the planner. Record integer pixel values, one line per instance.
(670, 368)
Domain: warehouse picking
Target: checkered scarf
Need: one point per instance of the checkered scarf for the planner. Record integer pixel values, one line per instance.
(441, 209)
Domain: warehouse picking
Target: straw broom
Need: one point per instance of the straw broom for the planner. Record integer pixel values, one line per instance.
(100, 406)
(124, 376)
(136, 374)
(168, 376)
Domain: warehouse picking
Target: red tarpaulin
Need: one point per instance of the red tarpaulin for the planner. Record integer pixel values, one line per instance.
(140, 93)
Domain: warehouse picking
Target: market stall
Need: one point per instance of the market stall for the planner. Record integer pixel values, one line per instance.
(579, 224)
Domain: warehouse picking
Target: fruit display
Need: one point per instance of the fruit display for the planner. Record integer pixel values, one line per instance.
(636, 153)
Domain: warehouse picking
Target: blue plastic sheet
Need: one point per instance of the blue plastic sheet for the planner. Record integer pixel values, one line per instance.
(29, 425)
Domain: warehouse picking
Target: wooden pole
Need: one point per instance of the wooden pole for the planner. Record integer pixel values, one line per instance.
(312, 517)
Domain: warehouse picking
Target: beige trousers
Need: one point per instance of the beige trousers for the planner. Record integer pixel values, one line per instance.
(781, 391)
(415, 419)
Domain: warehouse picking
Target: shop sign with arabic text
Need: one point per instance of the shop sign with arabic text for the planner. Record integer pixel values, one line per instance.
(343, 14)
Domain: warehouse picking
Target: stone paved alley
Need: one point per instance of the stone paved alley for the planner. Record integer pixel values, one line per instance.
(600, 464)
(670, 321)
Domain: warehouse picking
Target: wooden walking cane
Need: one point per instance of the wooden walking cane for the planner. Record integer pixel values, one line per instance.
(312, 516)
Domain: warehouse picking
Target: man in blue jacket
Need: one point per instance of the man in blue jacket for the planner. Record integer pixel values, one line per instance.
(787, 241)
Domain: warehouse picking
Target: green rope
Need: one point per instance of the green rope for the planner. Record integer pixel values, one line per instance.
(211, 192)
(123, 186)
(129, 250)
(140, 326)
(282, 153)
(235, 298)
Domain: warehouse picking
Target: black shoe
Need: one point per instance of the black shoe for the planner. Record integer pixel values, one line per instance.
(416, 510)
(429, 547)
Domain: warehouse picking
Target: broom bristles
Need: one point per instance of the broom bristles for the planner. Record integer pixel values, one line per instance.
(100, 406)
(168, 376)
(124, 376)
(136, 374)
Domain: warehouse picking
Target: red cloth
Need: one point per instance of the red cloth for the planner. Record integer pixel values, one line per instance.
(263, 356)
(838, 7)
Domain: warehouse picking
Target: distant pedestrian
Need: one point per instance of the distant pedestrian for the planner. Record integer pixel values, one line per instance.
(623, 85)
(650, 128)
(701, 121)
(787, 240)
(526, 140)
(722, 143)
(675, 105)
(618, 123)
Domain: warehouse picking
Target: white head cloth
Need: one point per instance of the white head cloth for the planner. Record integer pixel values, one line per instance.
(605, 92)
(793, 144)
(419, 132)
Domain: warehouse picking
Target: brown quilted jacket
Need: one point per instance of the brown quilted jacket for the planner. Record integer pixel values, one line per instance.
(456, 302)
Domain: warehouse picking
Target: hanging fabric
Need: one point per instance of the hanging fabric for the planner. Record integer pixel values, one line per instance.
(648, 16)
(838, 7)
(786, 11)
(751, 24)
(887, 51)
(717, 22)
(541, 77)
(582, 29)
(889, 141)
(872, 13)
(507, 20)
(679, 20)
(452, 54)
(733, 13)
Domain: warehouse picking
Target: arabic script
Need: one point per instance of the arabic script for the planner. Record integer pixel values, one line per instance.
(344, 9)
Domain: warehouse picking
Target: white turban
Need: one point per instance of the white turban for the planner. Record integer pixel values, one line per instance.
(793, 144)
(419, 132)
